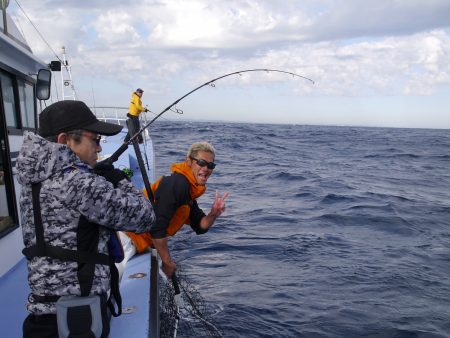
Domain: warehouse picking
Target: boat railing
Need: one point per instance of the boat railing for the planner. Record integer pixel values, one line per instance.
(118, 115)
(111, 114)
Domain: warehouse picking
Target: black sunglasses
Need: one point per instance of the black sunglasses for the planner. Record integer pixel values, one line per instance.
(96, 139)
(203, 163)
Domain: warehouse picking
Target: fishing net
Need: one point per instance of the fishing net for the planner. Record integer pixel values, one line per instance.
(186, 314)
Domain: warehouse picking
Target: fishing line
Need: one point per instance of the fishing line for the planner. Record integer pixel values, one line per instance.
(37, 30)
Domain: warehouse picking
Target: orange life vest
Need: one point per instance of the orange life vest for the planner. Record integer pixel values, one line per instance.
(181, 215)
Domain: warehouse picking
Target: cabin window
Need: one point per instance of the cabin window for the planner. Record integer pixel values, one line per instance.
(26, 96)
(6, 220)
(8, 100)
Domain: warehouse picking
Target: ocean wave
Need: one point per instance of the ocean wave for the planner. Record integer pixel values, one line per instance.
(287, 176)
(336, 198)
(328, 232)
(393, 156)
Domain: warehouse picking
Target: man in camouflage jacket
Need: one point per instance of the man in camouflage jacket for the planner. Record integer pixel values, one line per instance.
(72, 196)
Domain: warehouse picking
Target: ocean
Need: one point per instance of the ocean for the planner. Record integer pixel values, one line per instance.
(328, 232)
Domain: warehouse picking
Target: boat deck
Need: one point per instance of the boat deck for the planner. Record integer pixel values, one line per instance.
(138, 318)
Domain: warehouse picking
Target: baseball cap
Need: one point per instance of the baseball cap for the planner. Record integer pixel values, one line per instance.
(64, 116)
(139, 90)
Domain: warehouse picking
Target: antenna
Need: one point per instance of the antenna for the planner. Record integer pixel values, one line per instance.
(68, 89)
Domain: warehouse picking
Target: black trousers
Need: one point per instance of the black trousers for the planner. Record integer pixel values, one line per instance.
(43, 326)
(136, 126)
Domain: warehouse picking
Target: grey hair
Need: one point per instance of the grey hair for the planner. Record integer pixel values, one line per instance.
(200, 146)
(76, 135)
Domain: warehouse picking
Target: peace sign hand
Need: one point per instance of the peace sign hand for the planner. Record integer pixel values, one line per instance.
(219, 204)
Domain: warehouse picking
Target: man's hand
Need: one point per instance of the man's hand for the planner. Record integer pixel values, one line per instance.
(218, 206)
(169, 268)
(110, 173)
(217, 209)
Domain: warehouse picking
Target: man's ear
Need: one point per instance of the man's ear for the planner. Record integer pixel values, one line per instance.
(62, 138)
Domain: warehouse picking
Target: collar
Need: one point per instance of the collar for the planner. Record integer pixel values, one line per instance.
(195, 189)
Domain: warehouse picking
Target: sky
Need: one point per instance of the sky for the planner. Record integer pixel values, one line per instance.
(373, 62)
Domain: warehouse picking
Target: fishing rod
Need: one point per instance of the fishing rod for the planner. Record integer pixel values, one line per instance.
(115, 156)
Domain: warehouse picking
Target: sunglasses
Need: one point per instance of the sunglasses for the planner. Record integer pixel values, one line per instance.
(96, 139)
(203, 163)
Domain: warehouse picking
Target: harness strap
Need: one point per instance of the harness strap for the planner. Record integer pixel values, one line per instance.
(115, 291)
(39, 229)
(41, 249)
(32, 298)
(65, 254)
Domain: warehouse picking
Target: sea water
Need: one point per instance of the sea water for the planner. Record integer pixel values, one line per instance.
(328, 231)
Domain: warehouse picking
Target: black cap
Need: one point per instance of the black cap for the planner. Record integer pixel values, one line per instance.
(139, 90)
(64, 116)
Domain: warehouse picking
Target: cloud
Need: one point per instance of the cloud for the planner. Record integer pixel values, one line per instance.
(115, 28)
(351, 19)
(412, 65)
(350, 48)
(403, 65)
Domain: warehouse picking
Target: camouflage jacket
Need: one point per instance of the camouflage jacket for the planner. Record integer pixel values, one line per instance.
(70, 190)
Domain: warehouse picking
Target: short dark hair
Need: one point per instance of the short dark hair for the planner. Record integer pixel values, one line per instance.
(76, 135)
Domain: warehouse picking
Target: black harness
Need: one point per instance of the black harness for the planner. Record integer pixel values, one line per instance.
(86, 256)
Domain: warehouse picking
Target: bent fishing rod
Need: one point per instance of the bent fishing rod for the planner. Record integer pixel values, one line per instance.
(115, 156)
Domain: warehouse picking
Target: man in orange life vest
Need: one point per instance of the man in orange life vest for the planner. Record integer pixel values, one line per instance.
(175, 202)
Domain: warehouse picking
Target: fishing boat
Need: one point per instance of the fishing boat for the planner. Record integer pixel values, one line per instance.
(24, 89)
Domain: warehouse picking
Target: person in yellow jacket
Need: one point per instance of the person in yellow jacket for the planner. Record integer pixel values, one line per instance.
(133, 112)
(175, 203)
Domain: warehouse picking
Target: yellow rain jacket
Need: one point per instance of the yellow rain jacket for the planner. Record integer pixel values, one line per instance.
(135, 105)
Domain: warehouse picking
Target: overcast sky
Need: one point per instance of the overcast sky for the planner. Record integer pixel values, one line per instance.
(374, 62)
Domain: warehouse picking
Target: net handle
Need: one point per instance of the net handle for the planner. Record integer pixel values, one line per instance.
(176, 285)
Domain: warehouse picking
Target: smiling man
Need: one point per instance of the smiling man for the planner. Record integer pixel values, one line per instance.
(176, 202)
